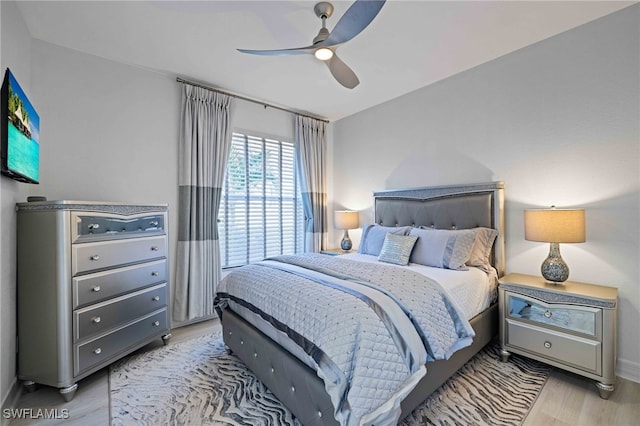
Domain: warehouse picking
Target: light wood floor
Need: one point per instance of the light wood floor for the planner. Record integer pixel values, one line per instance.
(566, 399)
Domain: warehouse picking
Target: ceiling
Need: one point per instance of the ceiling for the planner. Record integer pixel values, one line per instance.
(409, 45)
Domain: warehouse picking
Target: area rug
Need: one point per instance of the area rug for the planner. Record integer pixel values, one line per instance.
(196, 383)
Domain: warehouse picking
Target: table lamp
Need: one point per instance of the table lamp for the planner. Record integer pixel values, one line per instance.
(346, 219)
(554, 226)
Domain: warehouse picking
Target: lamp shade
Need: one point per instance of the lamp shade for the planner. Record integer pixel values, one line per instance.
(346, 219)
(554, 225)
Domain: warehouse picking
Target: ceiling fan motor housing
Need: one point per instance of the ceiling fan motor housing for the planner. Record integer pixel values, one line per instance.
(324, 9)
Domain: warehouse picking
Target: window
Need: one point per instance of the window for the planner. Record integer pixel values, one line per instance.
(261, 211)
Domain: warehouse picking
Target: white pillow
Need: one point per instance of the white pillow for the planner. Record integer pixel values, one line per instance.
(442, 248)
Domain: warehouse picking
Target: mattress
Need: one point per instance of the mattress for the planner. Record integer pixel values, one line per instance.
(473, 290)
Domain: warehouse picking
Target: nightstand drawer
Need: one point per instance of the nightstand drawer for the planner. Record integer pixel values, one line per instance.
(567, 349)
(576, 319)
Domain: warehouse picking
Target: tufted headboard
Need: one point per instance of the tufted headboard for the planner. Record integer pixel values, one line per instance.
(447, 207)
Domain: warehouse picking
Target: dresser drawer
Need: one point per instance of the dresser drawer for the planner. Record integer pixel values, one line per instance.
(88, 289)
(576, 319)
(567, 349)
(98, 351)
(89, 226)
(101, 255)
(101, 317)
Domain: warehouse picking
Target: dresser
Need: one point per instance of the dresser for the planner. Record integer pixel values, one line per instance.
(571, 326)
(92, 287)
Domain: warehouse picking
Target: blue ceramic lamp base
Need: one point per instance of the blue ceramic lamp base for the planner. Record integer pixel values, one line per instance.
(345, 244)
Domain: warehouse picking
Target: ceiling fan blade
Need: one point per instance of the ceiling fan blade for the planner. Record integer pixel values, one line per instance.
(353, 22)
(342, 72)
(276, 52)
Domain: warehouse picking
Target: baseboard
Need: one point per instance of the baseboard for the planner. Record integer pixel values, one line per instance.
(10, 401)
(628, 370)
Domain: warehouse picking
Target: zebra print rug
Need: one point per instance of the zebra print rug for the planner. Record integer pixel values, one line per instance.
(196, 382)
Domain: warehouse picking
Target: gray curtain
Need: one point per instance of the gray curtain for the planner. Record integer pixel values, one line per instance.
(311, 148)
(205, 140)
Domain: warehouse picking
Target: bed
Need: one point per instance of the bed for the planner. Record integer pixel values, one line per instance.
(291, 365)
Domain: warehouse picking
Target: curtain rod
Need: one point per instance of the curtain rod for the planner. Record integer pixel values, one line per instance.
(244, 98)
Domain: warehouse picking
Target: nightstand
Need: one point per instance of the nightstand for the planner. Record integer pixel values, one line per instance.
(570, 326)
(335, 251)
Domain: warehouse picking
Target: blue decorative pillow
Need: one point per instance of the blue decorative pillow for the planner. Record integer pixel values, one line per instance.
(397, 248)
(373, 236)
(443, 248)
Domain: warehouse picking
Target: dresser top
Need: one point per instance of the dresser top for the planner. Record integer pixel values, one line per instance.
(92, 206)
(590, 291)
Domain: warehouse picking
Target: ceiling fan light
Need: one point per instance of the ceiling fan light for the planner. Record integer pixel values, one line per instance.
(323, 54)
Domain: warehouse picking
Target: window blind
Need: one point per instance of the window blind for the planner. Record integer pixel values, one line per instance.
(261, 211)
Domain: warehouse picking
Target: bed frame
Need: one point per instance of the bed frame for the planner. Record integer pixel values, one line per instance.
(443, 207)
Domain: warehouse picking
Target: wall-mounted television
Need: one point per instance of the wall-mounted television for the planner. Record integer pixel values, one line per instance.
(20, 149)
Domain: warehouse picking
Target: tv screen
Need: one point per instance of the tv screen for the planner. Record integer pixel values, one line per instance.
(20, 133)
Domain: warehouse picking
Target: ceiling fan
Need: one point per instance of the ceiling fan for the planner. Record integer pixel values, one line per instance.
(353, 22)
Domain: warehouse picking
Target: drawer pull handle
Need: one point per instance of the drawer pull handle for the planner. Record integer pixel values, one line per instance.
(155, 273)
(94, 225)
(95, 319)
(153, 223)
(95, 257)
(97, 351)
(96, 288)
(548, 314)
(547, 345)
(155, 248)
(156, 323)
(155, 298)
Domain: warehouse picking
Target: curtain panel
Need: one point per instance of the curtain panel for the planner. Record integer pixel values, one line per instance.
(311, 148)
(205, 140)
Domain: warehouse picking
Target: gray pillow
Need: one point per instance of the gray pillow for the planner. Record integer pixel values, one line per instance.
(481, 252)
(397, 248)
(442, 248)
(373, 236)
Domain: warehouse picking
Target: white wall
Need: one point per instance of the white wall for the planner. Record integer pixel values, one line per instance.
(557, 121)
(269, 122)
(109, 130)
(15, 53)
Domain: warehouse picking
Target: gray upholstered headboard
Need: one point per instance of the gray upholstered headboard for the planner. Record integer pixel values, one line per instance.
(446, 207)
